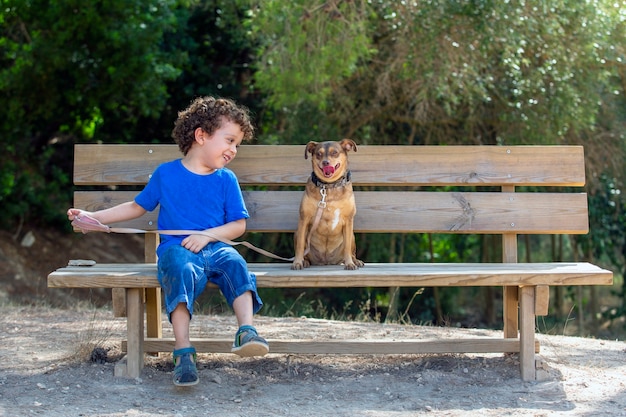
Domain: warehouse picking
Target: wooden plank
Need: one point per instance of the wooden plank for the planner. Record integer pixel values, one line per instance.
(527, 332)
(510, 294)
(351, 347)
(118, 302)
(153, 312)
(280, 275)
(370, 165)
(396, 211)
(510, 311)
(542, 300)
(437, 212)
(135, 331)
(153, 295)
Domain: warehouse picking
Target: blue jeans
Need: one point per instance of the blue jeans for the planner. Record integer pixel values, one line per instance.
(183, 275)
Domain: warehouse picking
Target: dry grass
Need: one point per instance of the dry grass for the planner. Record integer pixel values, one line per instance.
(99, 333)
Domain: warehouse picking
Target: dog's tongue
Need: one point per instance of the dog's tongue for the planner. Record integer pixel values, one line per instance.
(329, 171)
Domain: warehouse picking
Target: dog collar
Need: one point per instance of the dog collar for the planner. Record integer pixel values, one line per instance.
(341, 182)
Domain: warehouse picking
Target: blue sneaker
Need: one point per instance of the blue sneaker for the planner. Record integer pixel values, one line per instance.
(185, 372)
(249, 343)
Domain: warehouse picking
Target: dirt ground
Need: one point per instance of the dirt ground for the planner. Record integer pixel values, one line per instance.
(46, 371)
(48, 366)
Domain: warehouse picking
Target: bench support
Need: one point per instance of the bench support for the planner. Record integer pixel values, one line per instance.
(528, 284)
(133, 364)
(153, 312)
(527, 333)
(153, 295)
(352, 347)
(510, 294)
(542, 300)
(510, 312)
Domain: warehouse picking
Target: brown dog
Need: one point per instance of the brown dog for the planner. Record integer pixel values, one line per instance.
(325, 234)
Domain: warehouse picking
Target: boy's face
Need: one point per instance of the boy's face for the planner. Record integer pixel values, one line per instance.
(218, 149)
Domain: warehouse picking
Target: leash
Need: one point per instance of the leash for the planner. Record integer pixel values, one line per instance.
(88, 224)
(321, 205)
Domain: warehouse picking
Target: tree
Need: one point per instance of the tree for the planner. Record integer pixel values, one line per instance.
(455, 72)
(441, 72)
(67, 68)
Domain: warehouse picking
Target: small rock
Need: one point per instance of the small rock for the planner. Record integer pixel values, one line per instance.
(99, 355)
(28, 240)
(542, 375)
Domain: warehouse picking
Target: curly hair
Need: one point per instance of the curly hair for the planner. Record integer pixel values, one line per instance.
(208, 113)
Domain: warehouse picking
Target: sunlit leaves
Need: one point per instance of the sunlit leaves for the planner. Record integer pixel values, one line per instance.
(308, 47)
(477, 71)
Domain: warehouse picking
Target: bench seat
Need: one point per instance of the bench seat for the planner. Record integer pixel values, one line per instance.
(280, 275)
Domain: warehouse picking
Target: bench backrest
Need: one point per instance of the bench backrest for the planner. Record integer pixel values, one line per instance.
(411, 189)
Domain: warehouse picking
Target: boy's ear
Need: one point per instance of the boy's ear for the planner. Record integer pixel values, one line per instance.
(199, 135)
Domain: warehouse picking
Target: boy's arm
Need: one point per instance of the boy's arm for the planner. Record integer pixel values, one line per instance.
(230, 231)
(125, 211)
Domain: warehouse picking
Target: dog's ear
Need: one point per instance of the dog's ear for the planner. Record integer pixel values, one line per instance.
(310, 148)
(348, 145)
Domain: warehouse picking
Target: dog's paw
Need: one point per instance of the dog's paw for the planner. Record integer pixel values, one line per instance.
(359, 263)
(300, 264)
(351, 267)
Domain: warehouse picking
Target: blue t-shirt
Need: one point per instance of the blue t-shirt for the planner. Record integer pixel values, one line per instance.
(190, 201)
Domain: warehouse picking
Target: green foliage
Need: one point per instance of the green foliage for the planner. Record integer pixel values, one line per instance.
(27, 191)
(308, 48)
(219, 54)
(441, 72)
(67, 70)
(456, 72)
(78, 63)
(381, 72)
(608, 240)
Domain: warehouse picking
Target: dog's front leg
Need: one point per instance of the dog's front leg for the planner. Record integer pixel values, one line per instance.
(349, 248)
(300, 244)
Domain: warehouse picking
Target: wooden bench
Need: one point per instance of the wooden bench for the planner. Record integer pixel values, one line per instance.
(399, 189)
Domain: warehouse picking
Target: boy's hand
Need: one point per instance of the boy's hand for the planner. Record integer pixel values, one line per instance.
(73, 212)
(195, 243)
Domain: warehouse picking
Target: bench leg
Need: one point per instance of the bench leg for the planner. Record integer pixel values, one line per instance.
(153, 315)
(153, 295)
(134, 328)
(118, 302)
(510, 313)
(527, 333)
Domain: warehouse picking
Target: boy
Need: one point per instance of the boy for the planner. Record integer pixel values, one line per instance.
(197, 192)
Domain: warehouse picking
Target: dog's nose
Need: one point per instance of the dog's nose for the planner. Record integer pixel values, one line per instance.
(325, 163)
